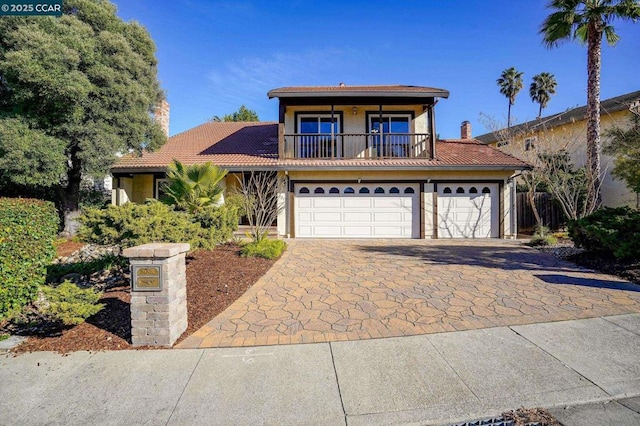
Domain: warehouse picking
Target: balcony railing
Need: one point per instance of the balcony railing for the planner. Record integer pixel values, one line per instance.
(357, 145)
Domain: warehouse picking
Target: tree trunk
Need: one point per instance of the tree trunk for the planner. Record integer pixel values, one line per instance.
(70, 200)
(534, 208)
(594, 59)
(509, 116)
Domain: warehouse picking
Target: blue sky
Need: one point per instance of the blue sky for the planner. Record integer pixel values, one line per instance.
(217, 55)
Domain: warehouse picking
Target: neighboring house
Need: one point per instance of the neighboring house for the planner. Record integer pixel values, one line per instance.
(360, 162)
(568, 130)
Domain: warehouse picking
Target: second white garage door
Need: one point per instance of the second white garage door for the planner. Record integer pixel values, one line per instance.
(468, 210)
(357, 211)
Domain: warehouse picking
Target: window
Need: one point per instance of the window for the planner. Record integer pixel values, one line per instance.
(390, 135)
(318, 190)
(161, 184)
(530, 143)
(364, 190)
(460, 190)
(486, 190)
(304, 190)
(447, 190)
(394, 190)
(348, 190)
(379, 190)
(317, 136)
(409, 191)
(473, 190)
(334, 190)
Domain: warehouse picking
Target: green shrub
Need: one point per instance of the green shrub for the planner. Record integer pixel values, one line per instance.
(266, 248)
(542, 237)
(218, 223)
(235, 200)
(69, 304)
(134, 224)
(614, 231)
(28, 229)
(542, 240)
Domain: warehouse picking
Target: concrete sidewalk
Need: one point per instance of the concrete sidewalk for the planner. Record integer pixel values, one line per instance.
(430, 379)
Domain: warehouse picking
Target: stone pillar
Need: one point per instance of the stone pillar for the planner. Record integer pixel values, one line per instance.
(158, 293)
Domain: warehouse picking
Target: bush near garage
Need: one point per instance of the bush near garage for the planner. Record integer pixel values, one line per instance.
(134, 224)
(613, 231)
(265, 248)
(28, 229)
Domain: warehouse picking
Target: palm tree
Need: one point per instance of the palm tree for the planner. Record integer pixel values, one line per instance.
(510, 83)
(193, 187)
(541, 89)
(588, 21)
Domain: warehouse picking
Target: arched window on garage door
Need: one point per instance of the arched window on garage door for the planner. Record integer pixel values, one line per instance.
(364, 190)
(348, 190)
(447, 190)
(394, 190)
(409, 191)
(473, 190)
(334, 190)
(460, 190)
(318, 190)
(304, 190)
(486, 190)
(379, 190)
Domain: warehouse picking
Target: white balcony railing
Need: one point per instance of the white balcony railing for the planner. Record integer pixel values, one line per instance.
(357, 145)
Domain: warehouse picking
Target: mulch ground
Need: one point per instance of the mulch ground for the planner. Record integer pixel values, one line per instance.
(215, 279)
(608, 264)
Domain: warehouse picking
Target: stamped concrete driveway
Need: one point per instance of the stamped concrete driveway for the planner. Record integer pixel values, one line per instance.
(332, 290)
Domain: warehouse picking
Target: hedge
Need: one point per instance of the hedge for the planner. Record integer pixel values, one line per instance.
(28, 229)
(612, 231)
(133, 224)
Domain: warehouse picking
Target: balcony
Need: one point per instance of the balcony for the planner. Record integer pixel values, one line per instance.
(357, 145)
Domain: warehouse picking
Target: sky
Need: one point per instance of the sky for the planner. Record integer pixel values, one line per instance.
(217, 55)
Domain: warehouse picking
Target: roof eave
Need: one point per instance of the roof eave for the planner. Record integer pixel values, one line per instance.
(359, 94)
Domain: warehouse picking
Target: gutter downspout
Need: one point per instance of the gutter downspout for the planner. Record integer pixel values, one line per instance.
(432, 125)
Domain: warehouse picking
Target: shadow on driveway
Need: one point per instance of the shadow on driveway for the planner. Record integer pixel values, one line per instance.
(588, 282)
(486, 256)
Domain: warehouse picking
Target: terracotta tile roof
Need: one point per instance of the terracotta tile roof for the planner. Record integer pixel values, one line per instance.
(227, 144)
(450, 153)
(255, 145)
(338, 90)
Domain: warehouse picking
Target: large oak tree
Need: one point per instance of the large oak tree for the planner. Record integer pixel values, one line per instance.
(74, 91)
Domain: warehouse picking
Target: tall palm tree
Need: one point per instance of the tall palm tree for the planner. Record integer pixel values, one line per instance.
(510, 83)
(588, 21)
(193, 187)
(541, 89)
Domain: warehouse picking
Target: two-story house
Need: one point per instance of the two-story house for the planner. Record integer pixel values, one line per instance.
(359, 161)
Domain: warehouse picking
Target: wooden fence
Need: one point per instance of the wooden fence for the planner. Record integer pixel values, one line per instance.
(549, 210)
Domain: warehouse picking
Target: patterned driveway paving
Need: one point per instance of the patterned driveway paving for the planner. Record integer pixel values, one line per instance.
(332, 290)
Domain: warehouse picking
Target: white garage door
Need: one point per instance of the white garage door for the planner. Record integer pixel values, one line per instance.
(468, 210)
(357, 211)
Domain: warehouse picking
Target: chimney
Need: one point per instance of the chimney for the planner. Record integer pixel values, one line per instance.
(161, 116)
(465, 130)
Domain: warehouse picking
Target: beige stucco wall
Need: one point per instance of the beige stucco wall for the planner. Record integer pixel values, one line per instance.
(573, 137)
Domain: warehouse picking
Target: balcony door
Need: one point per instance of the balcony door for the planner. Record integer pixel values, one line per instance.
(390, 135)
(318, 136)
